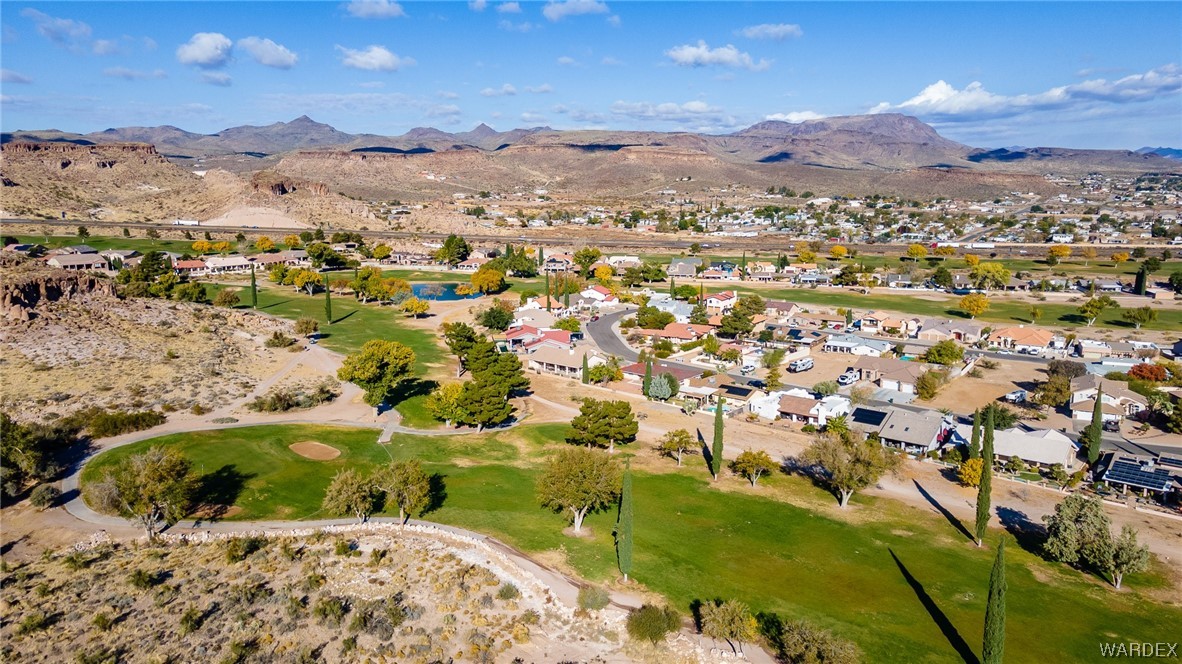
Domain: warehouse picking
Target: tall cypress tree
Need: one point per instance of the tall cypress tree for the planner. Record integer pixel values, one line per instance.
(975, 441)
(586, 378)
(986, 486)
(624, 525)
(994, 641)
(549, 295)
(716, 449)
(565, 298)
(541, 257)
(702, 293)
(254, 290)
(1139, 283)
(672, 286)
(327, 303)
(648, 378)
(1094, 430)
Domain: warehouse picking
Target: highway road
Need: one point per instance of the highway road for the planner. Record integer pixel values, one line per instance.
(763, 243)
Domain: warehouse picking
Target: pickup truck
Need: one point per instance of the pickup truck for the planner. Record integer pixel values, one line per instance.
(1017, 396)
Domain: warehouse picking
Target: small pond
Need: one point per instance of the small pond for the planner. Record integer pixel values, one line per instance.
(438, 292)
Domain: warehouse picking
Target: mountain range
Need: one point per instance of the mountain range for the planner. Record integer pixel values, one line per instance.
(882, 142)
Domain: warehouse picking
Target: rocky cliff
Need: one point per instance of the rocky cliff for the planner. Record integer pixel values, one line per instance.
(25, 294)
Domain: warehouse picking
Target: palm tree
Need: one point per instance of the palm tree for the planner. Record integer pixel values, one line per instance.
(838, 425)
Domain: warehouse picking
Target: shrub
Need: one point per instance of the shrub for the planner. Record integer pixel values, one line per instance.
(508, 591)
(330, 611)
(190, 620)
(226, 298)
(278, 340)
(102, 424)
(652, 623)
(45, 495)
(1147, 371)
(809, 428)
(144, 580)
(969, 472)
(283, 400)
(33, 622)
(102, 622)
(798, 641)
(238, 548)
(593, 598)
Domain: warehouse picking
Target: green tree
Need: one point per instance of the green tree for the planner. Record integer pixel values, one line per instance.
(646, 383)
(445, 403)
(711, 345)
(570, 324)
(484, 404)
(849, 464)
(1054, 392)
(460, 337)
(730, 621)
(676, 443)
(1093, 308)
(254, 290)
(351, 494)
(226, 298)
(699, 316)
(577, 481)
(328, 305)
(716, 448)
(994, 640)
(1092, 436)
(1078, 533)
(985, 487)
(947, 353)
(1127, 557)
(753, 465)
(975, 441)
(604, 424)
(306, 326)
(491, 366)
(1176, 281)
(378, 368)
(585, 375)
(652, 623)
(585, 258)
(455, 250)
(928, 385)
(624, 525)
(158, 485)
(989, 276)
(1139, 316)
(407, 485)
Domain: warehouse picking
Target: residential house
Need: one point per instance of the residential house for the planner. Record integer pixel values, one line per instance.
(560, 339)
(720, 385)
(227, 264)
(190, 268)
(914, 432)
(623, 262)
(848, 343)
(1022, 338)
(681, 372)
(1036, 447)
(683, 267)
(545, 303)
(890, 373)
(77, 249)
(1160, 475)
(472, 264)
(558, 263)
(966, 332)
(681, 310)
(1117, 402)
(598, 293)
(538, 318)
(721, 302)
(899, 281)
(780, 310)
(816, 412)
(818, 320)
(91, 261)
(794, 335)
(715, 275)
(25, 249)
(118, 256)
(564, 362)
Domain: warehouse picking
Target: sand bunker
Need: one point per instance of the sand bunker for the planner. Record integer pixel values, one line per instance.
(310, 449)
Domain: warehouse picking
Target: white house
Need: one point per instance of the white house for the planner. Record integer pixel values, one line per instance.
(720, 303)
(1038, 447)
(1117, 400)
(225, 264)
(848, 343)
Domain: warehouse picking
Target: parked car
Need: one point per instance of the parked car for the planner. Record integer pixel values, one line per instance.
(848, 378)
(1017, 396)
(803, 364)
(1111, 425)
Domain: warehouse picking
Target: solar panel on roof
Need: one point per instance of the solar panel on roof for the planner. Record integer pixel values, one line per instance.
(869, 417)
(1133, 474)
(1170, 461)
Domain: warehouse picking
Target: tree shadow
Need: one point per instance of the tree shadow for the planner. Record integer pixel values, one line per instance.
(814, 473)
(436, 493)
(219, 491)
(707, 453)
(1029, 534)
(771, 628)
(275, 304)
(345, 317)
(946, 627)
(957, 313)
(942, 510)
(409, 389)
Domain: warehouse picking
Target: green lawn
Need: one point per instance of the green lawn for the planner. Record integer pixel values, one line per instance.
(999, 310)
(888, 581)
(142, 245)
(355, 323)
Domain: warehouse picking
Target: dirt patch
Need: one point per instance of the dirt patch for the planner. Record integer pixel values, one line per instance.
(310, 449)
(217, 512)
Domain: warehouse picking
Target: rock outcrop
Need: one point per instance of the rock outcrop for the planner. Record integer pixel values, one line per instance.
(22, 295)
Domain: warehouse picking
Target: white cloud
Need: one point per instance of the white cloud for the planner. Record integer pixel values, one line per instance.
(217, 78)
(567, 61)
(614, 20)
(373, 58)
(690, 110)
(510, 26)
(59, 30)
(609, 61)
(133, 74)
(776, 31)
(442, 111)
(447, 94)
(533, 118)
(149, 43)
(505, 90)
(375, 9)
(105, 47)
(477, 5)
(10, 76)
(205, 49)
(372, 85)
(539, 89)
(509, 8)
(795, 116)
(556, 11)
(267, 52)
(940, 100)
(701, 55)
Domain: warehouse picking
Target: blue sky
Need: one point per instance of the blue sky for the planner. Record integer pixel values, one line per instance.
(1088, 75)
